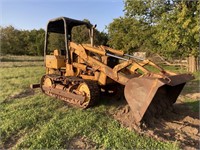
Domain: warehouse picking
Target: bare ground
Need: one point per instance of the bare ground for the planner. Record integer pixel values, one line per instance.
(180, 125)
(81, 142)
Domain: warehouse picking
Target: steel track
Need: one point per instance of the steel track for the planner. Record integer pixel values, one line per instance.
(74, 81)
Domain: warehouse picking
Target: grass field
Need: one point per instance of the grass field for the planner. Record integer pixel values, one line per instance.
(29, 119)
(20, 61)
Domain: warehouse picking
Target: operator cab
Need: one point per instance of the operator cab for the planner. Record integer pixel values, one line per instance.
(60, 30)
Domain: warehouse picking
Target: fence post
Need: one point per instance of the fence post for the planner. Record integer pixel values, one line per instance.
(197, 63)
(192, 63)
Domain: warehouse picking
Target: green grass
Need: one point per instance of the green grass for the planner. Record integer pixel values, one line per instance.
(20, 61)
(15, 58)
(15, 80)
(40, 122)
(175, 69)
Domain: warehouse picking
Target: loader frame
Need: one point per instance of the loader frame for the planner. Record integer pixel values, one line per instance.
(77, 76)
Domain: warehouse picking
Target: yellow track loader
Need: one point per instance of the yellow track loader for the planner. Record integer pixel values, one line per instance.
(77, 73)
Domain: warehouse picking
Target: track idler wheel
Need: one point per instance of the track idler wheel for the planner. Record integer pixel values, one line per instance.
(46, 82)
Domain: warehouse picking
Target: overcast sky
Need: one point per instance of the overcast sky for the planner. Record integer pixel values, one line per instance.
(34, 14)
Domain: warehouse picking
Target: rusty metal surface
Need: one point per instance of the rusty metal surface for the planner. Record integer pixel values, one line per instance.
(66, 94)
(179, 79)
(34, 86)
(140, 92)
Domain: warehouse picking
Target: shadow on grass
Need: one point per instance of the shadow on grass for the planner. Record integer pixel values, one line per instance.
(111, 100)
(25, 93)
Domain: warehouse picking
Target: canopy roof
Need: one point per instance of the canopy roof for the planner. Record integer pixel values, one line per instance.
(58, 25)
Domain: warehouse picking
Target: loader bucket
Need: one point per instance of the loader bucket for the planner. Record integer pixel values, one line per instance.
(143, 92)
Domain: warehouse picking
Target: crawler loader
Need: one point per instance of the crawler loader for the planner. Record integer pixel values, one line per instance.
(79, 72)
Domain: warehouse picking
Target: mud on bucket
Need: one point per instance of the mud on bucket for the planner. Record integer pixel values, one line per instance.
(154, 95)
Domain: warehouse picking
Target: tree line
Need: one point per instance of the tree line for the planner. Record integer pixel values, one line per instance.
(31, 42)
(21, 42)
(167, 27)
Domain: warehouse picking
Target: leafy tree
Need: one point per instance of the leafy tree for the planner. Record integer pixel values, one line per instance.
(40, 42)
(56, 41)
(178, 32)
(35, 42)
(147, 10)
(80, 34)
(129, 34)
(168, 27)
(134, 31)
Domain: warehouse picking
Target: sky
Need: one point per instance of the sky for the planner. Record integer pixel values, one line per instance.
(34, 14)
